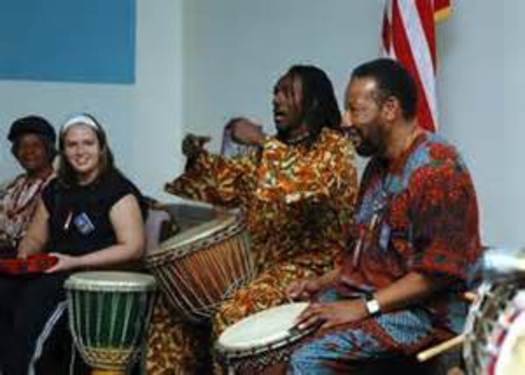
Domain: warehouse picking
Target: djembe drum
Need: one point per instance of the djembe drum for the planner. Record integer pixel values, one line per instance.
(199, 268)
(262, 342)
(495, 327)
(495, 331)
(109, 313)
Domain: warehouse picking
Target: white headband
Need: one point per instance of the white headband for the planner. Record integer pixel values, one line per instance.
(80, 119)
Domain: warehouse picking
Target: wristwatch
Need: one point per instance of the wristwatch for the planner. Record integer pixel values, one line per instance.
(372, 305)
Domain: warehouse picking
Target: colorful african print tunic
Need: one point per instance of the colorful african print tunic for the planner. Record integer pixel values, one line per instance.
(298, 200)
(416, 214)
(18, 200)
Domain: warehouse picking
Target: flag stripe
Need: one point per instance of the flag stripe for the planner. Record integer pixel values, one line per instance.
(409, 35)
(425, 11)
(403, 52)
(386, 32)
(420, 51)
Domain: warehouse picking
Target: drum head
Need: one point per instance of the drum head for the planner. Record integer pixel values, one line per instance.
(262, 329)
(196, 233)
(511, 356)
(110, 281)
(493, 331)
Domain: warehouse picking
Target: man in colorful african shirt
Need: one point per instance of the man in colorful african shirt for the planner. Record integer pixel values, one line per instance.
(297, 191)
(33, 146)
(418, 234)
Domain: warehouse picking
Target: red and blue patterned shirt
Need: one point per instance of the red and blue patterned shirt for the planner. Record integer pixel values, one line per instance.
(418, 213)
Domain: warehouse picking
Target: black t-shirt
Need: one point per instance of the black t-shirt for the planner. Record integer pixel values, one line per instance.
(79, 221)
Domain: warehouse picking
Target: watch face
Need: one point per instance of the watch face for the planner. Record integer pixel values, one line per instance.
(373, 307)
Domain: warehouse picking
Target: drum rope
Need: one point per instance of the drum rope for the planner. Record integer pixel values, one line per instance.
(144, 315)
(169, 287)
(147, 303)
(196, 297)
(187, 282)
(225, 273)
(87, 304)
(113, 319)
(247, 259)
(99, 313)
(181, 293)
(74, 319)
(235, 262)
(204, 259)
(127, 309)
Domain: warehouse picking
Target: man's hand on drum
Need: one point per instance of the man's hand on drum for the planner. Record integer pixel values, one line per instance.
(65, 263)
(246, 131)
(193, 145)
(303, 289)
(332, 314)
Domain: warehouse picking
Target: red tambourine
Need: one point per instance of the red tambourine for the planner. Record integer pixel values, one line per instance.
(36, 263)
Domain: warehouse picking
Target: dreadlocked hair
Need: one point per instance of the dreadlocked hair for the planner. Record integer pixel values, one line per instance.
(320, 107)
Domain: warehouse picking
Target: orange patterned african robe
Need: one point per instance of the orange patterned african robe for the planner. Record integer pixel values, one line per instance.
(298, 200)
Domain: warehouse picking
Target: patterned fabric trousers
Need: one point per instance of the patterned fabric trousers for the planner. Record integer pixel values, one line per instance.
(336, 351)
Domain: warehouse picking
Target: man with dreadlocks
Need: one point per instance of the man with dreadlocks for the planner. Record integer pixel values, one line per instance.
(297, 191)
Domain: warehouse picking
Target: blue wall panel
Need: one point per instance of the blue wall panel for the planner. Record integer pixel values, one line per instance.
(68, 40)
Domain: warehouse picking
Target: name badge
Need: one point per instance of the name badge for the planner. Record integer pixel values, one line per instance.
(83, 224)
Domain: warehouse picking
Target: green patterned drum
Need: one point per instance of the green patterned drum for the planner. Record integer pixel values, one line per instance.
(109, 313)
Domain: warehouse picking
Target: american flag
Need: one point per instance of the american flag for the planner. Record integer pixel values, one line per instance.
(409, 36)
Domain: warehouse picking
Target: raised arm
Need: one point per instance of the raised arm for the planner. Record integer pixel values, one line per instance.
(213, 178)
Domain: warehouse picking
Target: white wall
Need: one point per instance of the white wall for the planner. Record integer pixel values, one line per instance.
(235, 51)
(199, 62)
(480, 100)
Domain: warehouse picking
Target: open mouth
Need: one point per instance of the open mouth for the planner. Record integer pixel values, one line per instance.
(279, 115)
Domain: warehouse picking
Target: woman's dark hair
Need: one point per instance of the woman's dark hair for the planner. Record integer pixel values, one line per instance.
(66, 174)
(392, 80)
(319, 103)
